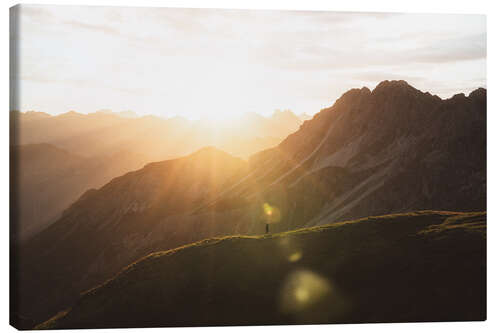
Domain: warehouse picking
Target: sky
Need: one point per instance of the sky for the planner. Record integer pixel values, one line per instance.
(220, 63)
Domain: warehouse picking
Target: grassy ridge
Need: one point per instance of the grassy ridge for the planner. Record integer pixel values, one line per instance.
(422, 266)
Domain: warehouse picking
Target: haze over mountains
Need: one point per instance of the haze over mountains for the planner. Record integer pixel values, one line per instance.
(60, 157)
(391, 150)
(48, 179)
(105, 133)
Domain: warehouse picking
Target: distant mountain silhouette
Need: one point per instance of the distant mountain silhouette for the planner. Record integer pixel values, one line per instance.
(104, 133)
(45, 180)
(391, 150)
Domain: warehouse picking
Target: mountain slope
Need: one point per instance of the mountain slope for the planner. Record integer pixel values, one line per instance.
(423, 266)
(45, 180)
(108, 228)
(393, 149)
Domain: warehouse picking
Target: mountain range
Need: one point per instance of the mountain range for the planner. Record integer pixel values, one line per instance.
(391, 150)
(48, 179)
(57, 158)
(105, 133)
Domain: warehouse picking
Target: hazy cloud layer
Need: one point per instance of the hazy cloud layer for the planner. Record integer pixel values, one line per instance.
(197, 62)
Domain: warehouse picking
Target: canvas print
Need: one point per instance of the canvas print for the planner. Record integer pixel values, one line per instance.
(211, 167)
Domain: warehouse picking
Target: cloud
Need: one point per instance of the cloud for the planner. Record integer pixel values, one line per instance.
(376, 77)
(307, 54)
(450, 50)
(99, 28)
(39, 13)
(158, 58)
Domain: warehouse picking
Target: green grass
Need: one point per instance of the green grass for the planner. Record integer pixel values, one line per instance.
(422, 266)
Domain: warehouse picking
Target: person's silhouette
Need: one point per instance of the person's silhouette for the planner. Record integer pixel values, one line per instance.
(267, 228)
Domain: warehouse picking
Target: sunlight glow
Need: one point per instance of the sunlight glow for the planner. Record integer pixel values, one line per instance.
(200, 63)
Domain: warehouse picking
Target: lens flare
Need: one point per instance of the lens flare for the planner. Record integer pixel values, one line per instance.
(294, 257)
(270, 214)
(303, 290)
(290, 249)
(302, 294)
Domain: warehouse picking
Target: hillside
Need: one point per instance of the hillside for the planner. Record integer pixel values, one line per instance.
(140, 212)
(45, 180)
(422, 266)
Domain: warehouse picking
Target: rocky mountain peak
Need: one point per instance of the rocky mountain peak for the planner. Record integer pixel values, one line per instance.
(394, 87)
(479, 93)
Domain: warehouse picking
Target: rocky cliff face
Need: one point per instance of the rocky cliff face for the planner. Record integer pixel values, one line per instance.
(393, 149)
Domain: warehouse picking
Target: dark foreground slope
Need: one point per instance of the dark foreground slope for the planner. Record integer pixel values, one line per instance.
(424, 266)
